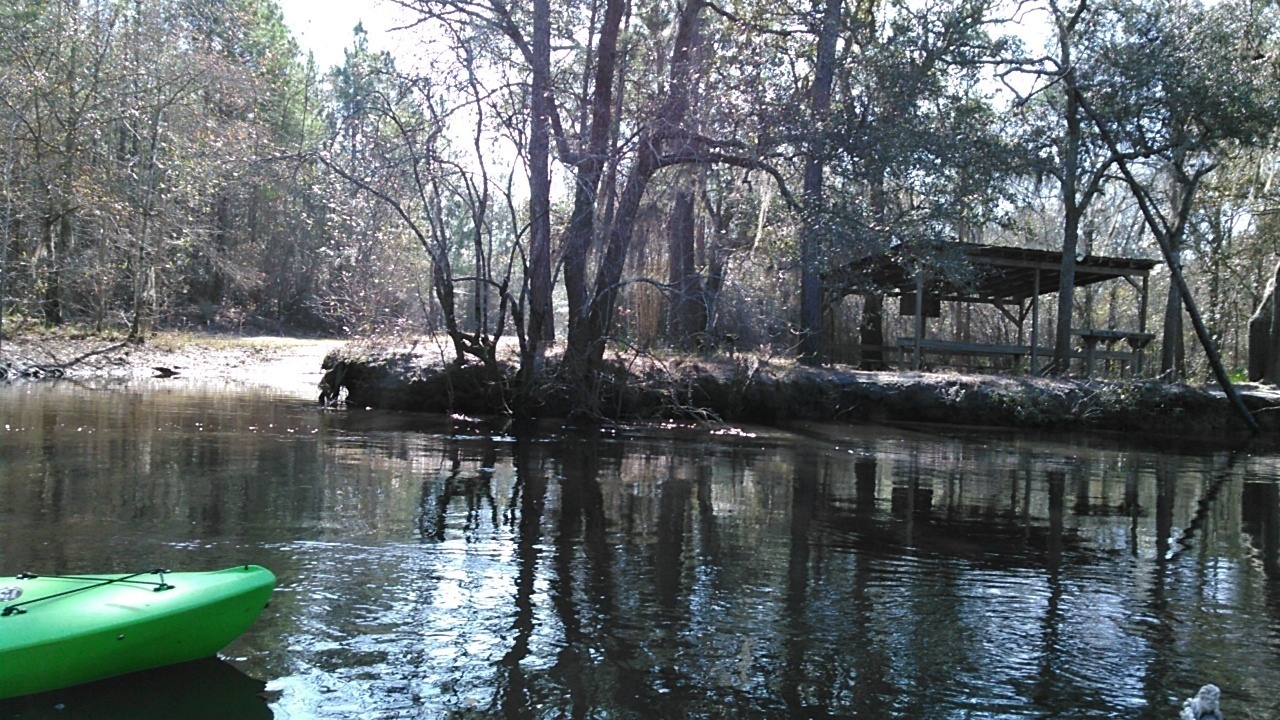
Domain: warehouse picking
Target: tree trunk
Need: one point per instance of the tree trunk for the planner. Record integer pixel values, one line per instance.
(1066, 287)
(608, 277)
(51, 299)
(1074, 202)
(139, 322)
(687, 312)
(666, 125)
(582, 222)
(871, 331)
(1264, 337)
(811, 230)
(1072, 213)
(540, 319)
(1173, 356)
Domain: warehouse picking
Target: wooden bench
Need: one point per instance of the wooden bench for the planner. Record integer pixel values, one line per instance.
(1092, 337)
(907, 348)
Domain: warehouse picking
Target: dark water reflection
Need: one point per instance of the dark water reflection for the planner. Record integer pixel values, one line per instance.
(208, 689)
(432, 567)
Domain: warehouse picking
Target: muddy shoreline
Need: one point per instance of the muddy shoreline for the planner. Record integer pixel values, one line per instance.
(414, 375)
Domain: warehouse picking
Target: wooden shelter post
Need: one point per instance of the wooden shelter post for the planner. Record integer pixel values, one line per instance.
(1142, 327)
(919, 329)
(1035, 321)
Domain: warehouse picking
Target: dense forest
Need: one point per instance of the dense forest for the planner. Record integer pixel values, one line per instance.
(597, 174)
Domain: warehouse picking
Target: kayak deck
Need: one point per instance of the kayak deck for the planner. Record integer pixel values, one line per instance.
(65, 630)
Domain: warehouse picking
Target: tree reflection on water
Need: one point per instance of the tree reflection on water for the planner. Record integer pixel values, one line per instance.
(436, 566)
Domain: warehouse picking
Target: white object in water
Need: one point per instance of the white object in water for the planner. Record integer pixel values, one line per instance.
(1204, 706)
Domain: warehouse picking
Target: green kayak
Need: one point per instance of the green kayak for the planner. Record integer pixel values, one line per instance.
(57, 631)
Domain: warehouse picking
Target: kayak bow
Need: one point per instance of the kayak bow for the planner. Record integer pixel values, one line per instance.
(57, 631)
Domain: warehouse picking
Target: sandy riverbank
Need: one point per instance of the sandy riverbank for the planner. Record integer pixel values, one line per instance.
(291, 365)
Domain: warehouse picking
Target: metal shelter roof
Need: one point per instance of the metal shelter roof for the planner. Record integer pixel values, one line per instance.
(978, 273)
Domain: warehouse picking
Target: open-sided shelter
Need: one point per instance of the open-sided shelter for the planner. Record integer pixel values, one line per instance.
(1011, 279)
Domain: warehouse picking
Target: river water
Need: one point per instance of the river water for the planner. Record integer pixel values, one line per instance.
(453, 567)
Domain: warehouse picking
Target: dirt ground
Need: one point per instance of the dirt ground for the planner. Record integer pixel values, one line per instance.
(285, 364)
